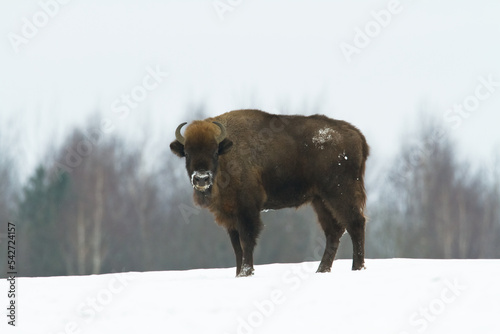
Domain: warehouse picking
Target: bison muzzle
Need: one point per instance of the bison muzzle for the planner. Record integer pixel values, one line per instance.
(246, 161)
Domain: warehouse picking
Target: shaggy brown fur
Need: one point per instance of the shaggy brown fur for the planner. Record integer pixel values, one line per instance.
(272, 162)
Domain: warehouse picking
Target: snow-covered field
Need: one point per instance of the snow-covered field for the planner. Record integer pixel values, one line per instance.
(391, 296)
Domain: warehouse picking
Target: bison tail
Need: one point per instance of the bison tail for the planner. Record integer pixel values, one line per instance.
(365, 150)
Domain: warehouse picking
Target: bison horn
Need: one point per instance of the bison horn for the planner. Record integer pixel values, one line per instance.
(178, 135)
(222, 135)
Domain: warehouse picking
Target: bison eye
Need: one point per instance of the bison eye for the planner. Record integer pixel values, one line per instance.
(216, 154)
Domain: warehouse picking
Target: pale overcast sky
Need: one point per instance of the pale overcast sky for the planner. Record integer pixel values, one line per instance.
(373, 63)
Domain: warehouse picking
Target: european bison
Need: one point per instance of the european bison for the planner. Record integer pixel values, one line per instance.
(246, 161)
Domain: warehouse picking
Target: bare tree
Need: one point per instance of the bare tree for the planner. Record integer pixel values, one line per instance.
(441, 208)
(9, 179)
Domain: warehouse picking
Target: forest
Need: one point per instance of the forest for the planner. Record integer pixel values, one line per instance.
(98, 203)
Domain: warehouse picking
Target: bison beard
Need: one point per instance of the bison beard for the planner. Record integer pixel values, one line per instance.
(246, 161)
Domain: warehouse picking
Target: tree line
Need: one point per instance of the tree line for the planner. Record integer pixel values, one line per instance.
(98, 204)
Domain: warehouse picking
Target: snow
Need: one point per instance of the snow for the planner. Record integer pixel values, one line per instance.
(325, 135)
(392, 296)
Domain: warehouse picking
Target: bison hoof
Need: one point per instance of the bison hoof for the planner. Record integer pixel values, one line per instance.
(323, 270)
(245, 271)
(360, 267)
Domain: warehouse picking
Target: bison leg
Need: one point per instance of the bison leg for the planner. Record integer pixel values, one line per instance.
(238, 252)
(356, 229)
(333, 232)
(249, 226)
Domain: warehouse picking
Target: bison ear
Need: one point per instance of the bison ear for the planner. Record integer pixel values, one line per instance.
(225, 146)
(177, 148)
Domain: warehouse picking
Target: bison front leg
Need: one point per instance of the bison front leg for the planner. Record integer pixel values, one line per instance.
(249, 226)
(238, 252)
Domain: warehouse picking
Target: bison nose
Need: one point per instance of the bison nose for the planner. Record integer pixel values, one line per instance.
(201, 180)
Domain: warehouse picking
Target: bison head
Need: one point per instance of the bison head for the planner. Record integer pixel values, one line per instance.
(202, 144)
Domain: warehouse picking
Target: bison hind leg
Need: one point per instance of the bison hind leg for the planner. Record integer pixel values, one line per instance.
(333, 231)
(356, 230)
